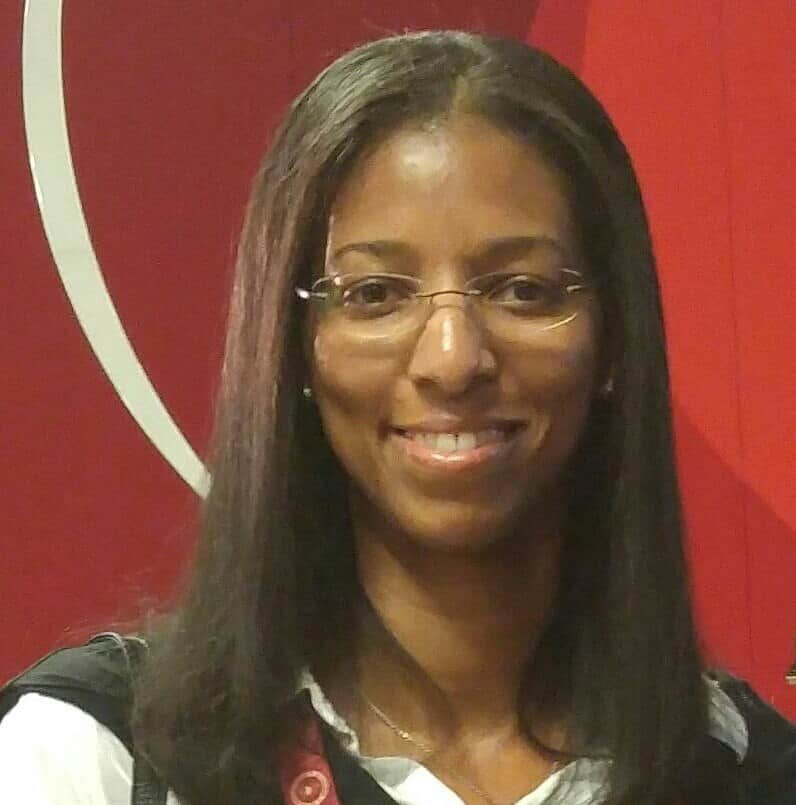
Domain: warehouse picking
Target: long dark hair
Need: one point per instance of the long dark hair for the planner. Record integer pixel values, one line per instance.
(275, 556)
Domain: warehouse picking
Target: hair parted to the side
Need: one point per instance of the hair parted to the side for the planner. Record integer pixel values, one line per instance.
(274, 570)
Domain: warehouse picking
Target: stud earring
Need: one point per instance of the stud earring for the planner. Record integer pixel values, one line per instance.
(608, 388)
(306, 391)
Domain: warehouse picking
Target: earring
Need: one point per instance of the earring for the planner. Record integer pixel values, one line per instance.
(608, 388)
(306, 391)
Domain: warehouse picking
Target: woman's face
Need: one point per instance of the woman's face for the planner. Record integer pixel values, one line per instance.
(445, 204)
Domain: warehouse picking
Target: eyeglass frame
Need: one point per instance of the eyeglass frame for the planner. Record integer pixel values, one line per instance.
(311, 295)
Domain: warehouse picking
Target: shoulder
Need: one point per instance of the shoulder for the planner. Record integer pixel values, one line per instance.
(54, 753)
(64, 726)
(771, 757)
(95, 677)
(768, 762)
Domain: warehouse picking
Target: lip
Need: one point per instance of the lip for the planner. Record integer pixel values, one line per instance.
(486, 457)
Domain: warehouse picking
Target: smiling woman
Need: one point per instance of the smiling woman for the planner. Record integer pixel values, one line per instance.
(441, 557)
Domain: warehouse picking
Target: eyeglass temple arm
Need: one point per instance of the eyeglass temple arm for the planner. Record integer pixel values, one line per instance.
(303, 293)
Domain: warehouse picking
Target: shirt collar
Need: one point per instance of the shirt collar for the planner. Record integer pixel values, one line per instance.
(725, 722)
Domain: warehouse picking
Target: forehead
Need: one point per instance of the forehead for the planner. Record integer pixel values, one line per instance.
(446, 189)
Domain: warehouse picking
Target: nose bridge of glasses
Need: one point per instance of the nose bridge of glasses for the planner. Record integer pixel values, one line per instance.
(456, 292)
(446, 300)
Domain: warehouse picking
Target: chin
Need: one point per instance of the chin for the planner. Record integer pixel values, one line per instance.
(466, 533)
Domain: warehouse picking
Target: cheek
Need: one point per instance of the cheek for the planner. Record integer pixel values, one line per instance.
(566, 369)
(558, 384)
(345, 380)
(352, 394)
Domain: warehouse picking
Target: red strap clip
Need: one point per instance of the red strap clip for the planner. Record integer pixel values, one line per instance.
(304, 772)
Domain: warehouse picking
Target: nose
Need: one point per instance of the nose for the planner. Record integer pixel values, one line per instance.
(451, 352)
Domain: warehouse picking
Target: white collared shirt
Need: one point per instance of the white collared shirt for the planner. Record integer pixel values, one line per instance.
(53, 753)
(408, 782)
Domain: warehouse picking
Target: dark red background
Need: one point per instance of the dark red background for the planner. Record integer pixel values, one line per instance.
(170, 106)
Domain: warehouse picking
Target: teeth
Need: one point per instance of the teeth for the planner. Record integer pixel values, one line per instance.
(446, 442)
(456, 442)
(466, 441)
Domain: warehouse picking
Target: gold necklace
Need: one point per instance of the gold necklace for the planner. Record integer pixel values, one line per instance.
(430, 750)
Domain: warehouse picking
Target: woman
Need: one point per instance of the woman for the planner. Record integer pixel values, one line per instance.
(443, 536)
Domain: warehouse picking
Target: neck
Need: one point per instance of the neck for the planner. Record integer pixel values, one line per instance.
(455, 631)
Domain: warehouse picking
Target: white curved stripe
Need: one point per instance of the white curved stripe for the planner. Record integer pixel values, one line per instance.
(67, 232)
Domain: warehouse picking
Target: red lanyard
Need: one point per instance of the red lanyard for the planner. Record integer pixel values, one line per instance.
(304, 772)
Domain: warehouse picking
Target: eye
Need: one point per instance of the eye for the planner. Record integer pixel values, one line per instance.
(375, 295)
(522, 293)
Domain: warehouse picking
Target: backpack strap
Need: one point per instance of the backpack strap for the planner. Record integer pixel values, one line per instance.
(770, 764)
(147, 788)
(97, 678)
(354, 786)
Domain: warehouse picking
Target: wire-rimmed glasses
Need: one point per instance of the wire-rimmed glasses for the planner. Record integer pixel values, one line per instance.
(508, 304)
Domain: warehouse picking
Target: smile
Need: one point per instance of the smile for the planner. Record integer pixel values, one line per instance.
(456, 450)
(456, 442)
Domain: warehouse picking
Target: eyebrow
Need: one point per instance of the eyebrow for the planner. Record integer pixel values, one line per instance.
(375, 248)
(506, 246)
(520, 245)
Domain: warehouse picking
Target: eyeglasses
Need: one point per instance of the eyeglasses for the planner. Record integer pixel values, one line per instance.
(512, 305)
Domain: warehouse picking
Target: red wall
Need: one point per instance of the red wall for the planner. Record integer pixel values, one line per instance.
(168, 113)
